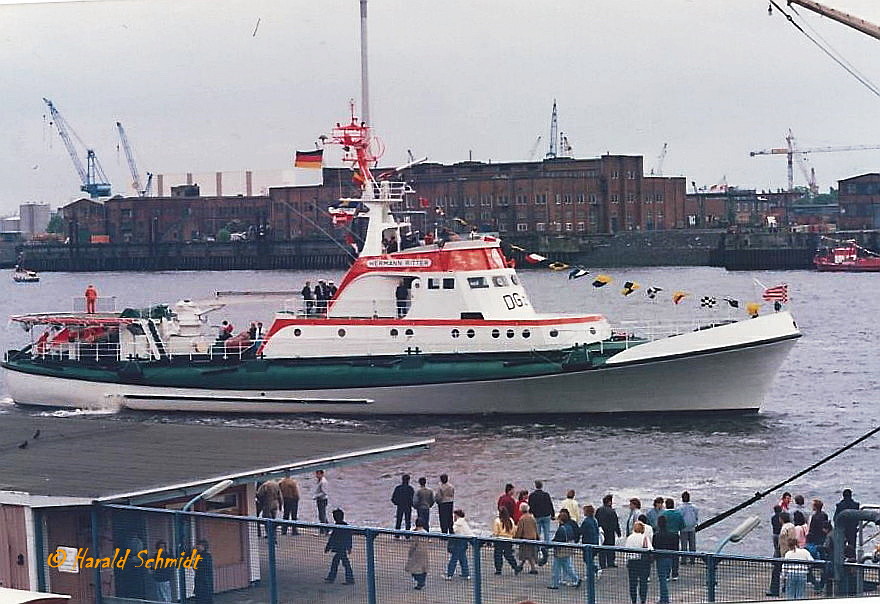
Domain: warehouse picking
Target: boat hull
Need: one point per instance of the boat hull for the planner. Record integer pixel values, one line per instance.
(732, 378)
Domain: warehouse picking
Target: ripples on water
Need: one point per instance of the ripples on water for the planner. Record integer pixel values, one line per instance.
(824, 396)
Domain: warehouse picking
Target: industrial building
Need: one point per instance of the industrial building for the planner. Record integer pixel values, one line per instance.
(561, 196)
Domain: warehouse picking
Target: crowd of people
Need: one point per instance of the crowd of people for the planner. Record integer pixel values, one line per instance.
(315, 299)
(530, 515)
(800, 534)
(804, 534)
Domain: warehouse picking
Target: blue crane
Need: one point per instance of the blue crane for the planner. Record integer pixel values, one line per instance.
(94, 181)
(132, 166)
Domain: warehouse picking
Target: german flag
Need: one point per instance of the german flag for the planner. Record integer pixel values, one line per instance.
(677, 297)
(602, 280)
(629, 287)
(310, 160)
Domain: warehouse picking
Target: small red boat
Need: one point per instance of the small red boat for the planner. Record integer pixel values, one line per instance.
(847, 257)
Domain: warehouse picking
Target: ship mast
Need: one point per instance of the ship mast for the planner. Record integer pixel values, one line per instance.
(365, 84)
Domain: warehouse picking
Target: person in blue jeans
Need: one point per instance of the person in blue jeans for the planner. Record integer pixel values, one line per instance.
(541, 507)
(339, 543)
(590, 536)
(458, 547)
(664, 540)
(562, 565)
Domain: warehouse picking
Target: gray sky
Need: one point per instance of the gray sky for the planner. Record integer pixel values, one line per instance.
(198, 91)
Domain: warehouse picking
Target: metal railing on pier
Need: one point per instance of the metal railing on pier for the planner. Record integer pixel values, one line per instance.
(258, 560)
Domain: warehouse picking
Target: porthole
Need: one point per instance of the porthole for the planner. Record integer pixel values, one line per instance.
(526, 333)
(510, 333)
(553, 333)
(470, 333)
(393, 333)
(455, 333)
(341, 333)
(496, 333)
(514, 280)
(593, 331)
(297, 332)
(408, 332)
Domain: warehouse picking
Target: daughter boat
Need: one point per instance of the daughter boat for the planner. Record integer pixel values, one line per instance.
(438, 328)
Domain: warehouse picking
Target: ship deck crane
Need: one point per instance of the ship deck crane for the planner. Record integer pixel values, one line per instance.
(132, 166)
(791, 149)
(94, 181)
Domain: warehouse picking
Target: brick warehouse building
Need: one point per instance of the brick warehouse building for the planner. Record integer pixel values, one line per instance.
(559, 196)
(859, 201)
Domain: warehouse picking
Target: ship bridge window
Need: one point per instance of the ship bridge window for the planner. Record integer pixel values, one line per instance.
(433, 283)
(477, 282)
(500, 281)
(449, 283)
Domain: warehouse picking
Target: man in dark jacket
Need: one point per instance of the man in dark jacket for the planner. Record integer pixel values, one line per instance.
(589, 533)
(541, 507)
(664, 539)
(422, 502)
(850, 528)
(203, 591)
(339, 543)
(608, 521)
(403, 499)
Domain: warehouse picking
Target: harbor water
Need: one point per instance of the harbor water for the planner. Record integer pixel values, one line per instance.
(824, 396)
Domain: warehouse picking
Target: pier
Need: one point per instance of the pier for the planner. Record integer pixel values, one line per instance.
(288, 568)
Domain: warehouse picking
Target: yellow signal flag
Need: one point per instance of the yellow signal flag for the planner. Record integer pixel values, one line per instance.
(678, 296)
(557, 266)
(602, 280)
(629, 287)
(753, 308)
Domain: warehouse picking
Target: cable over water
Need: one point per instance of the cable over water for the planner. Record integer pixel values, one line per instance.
(761, 494)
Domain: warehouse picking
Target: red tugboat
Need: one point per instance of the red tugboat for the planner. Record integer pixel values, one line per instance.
(847, 256)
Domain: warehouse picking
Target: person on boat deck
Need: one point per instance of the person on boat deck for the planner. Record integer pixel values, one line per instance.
(225, 331)
(402, 296)
(322, 294)
(91, 295)
(332, 289)
(391, 247)
(252, 331)
(308, 297)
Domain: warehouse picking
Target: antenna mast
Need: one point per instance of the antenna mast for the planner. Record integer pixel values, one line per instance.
(365, 85)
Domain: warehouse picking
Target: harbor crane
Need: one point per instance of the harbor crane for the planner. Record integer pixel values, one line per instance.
(791, 149)
(554, 131)
(94, 181)
(132, 166)
(660, 159)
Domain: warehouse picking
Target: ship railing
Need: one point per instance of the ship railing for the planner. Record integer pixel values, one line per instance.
(653, 330)
(111, 352)
(388, 190)
(103, 304)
